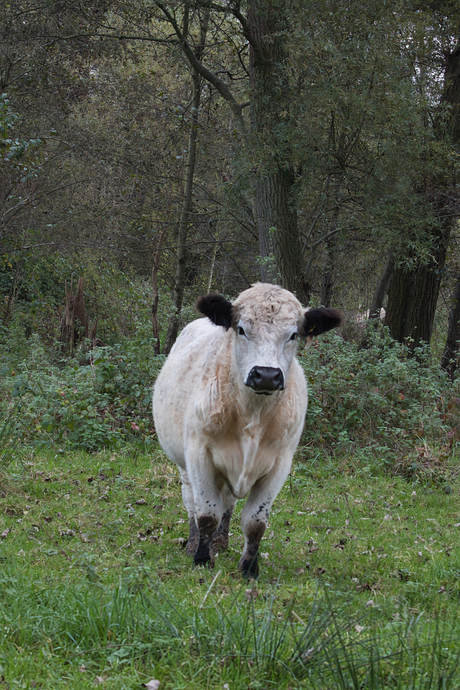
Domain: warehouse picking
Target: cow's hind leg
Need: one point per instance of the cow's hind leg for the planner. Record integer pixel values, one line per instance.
(220, 536)
(254, 518)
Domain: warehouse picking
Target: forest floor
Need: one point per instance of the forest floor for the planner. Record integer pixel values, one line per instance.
(359, 582)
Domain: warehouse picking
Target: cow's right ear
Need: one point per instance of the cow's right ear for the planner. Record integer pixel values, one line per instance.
(216, 308)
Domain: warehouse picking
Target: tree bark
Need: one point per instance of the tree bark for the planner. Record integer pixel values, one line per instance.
(74, 323)
(449, 361)
(327, 280)
(328, 275)
(382, 288)
(276, 186)
(181, 261)
(413, 295)
(156, 298)
(279, 242)
(213, 259)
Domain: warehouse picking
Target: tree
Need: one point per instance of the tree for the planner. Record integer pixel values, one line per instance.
(180, 272)
(416, 279)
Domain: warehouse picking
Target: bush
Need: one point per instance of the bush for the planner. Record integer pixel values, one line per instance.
(378, 403)
(99, 403)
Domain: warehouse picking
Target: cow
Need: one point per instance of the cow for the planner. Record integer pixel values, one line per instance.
(229, 406)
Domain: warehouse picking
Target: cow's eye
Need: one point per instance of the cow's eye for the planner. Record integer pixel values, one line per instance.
(241, 331)
(294, 336)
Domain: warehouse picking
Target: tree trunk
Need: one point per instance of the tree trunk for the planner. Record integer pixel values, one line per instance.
(449, 359)
(279, 242)
(213, 258)
(276, 189)
(451, 95)
(74, 323)
(156, 298)
(382, 288)
(379, 296)
(413, 295)
(181, 261)
(327, 279)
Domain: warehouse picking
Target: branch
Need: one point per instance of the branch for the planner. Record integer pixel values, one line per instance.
(247, 33)
(218, 84)
(325, 237)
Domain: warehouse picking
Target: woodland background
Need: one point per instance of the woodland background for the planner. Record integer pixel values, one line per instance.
(155, 150)
(152, 151)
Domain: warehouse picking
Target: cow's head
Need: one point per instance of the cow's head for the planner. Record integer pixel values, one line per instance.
(267, 321)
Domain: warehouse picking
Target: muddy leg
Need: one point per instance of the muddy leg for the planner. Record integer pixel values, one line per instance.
(189, 503)
(254, 518)
(220, 536)
(193, 539)
(208, 503)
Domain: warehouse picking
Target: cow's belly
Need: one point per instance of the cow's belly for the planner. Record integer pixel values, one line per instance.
(242, 463)
(168, 413)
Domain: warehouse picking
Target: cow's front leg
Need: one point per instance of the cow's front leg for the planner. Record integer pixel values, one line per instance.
(254, 518)
(189, 503)
(209, 507)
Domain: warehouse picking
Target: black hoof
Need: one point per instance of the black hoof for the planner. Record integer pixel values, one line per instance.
(250, 568)
(204, 554)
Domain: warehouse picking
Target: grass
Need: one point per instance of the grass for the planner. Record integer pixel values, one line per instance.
(359, 584)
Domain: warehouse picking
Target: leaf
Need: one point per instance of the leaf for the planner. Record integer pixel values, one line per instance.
(153, 684)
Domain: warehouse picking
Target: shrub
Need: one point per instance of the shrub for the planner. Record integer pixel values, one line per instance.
(102, 402)
(377, 402)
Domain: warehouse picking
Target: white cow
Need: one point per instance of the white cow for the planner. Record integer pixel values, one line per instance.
(229, 407)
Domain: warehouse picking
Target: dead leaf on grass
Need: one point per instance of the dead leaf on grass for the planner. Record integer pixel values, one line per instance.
(4, 534)
(99, 680)
(250, 594)
(141, 502)
(153, 684)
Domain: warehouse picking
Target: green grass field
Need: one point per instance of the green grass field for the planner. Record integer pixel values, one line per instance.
(359, 583)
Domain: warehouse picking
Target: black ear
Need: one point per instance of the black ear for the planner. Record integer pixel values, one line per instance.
(216, 308)
(319, 321)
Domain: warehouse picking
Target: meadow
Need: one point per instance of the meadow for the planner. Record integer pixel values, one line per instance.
(359, 583)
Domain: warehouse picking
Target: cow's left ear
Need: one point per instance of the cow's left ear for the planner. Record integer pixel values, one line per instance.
(317, 321)
(216, 308)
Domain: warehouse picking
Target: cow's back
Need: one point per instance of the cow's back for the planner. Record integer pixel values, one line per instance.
(181, 381)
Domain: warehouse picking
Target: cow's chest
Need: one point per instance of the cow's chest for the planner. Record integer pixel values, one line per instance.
(243, 457)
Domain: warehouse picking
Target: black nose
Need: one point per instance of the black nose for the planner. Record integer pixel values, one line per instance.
(265, 379)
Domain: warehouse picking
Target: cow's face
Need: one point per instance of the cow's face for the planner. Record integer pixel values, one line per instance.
(267, 321)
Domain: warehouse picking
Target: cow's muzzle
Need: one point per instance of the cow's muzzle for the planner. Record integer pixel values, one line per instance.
(265, 380)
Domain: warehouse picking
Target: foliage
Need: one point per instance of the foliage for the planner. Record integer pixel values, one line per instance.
(91, 403)
(378, 402)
